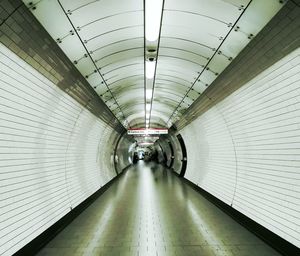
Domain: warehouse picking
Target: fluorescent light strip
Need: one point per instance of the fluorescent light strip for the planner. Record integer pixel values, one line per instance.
(153, 11)
(148, 94)
(150, 69)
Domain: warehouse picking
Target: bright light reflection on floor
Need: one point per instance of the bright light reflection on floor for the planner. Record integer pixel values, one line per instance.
(149, 211)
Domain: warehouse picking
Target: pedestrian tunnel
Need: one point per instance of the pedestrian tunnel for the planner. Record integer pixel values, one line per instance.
(149, 127)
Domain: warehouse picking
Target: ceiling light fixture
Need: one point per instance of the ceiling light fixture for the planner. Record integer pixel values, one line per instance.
(150, 69)
(148, 94)
(153, 11)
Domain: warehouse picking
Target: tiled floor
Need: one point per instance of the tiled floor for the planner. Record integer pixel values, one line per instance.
(151, 212)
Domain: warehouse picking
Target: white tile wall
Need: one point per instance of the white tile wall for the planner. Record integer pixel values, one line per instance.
(211, 162)
(53, 153)
(246, 149)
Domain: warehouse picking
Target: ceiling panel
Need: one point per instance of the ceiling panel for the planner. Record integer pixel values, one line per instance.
(198, 40)
(209, 35)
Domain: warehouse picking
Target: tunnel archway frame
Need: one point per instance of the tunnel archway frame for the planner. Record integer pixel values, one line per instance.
(184, 155)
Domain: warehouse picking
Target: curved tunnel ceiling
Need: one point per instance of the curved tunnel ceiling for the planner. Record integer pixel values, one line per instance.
(198, 40)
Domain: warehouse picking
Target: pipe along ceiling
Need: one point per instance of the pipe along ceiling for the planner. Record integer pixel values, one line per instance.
(150, 60)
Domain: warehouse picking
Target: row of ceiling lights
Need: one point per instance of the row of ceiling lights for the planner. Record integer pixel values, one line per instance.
(153, 15)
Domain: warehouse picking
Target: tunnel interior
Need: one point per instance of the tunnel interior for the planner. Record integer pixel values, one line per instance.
(183, 115)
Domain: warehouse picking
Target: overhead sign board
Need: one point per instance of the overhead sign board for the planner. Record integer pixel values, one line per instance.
(151, 131)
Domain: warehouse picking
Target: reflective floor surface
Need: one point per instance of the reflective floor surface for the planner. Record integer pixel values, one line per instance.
(150, 212)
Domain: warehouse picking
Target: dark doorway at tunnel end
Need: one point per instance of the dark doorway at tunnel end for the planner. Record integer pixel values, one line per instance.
(184, 155)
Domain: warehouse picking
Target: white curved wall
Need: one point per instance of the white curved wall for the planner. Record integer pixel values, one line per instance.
(211, 155)
(124, 152)
(246, 149)
(53, 153)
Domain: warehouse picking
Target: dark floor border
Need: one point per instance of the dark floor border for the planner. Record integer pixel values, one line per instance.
(126, 168)
(40, 241)
(279, 244)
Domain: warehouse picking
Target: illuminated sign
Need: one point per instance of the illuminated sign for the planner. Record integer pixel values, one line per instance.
(151, 131)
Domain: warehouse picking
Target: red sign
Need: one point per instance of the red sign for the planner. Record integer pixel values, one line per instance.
(151, 131)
